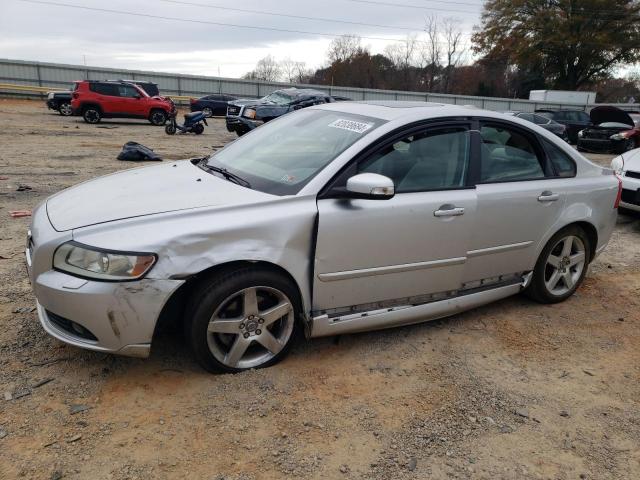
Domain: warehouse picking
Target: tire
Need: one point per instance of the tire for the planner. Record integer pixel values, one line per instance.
(213, 339)
(170, 129)
(207, 111)
(158, 117)
(92, 115)
(198, 129)
(561, 267)
(65, 109)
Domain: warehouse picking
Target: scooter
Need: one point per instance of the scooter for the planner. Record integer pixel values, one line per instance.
(193, 122)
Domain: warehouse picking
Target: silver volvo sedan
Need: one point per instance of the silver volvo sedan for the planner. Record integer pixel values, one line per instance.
(334, 219)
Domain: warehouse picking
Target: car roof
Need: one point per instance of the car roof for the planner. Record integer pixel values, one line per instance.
(392, 110)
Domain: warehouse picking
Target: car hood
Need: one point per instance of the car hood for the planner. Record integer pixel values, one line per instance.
(632, 160)
(610, 114)
(144, 191)
(248, 101)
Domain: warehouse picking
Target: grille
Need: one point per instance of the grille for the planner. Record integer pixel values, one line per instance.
(630, 196)
(71, 327)
(632, 174)
(233, 110)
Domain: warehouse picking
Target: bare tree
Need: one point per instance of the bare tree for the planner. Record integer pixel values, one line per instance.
(403, 56)
(454, 50)
(344, 47)
(294, 71)
(266, 69)
(431, 53)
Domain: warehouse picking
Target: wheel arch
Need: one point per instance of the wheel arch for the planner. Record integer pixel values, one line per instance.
(173, 311)
(589, 228)
(86, 105)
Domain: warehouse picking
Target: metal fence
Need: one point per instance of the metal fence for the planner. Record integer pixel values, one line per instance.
(60, 76)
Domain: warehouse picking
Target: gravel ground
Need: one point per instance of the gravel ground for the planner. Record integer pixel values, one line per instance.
(513, 390)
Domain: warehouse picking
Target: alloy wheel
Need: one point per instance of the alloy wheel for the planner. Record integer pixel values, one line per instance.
(65, 109)
(565, 264)
(207, 111)
(250, 327)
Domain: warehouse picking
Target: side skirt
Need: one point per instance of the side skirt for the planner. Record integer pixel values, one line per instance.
(323, 325)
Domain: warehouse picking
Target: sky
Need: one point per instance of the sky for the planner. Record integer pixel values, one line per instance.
(74, 32)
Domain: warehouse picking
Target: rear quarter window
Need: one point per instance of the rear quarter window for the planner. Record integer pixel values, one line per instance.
(563, 165)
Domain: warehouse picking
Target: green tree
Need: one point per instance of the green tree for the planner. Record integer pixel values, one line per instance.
(572, 43)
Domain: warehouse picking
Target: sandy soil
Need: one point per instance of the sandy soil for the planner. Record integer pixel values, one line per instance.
(513, 390)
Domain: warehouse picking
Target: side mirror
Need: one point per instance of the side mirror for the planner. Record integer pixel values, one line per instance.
(370, 186)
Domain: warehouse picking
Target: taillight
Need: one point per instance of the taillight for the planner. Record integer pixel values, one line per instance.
(192, 100)
(619, 196)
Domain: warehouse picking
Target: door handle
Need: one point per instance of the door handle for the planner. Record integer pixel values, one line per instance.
(547, 196)
(449, 211)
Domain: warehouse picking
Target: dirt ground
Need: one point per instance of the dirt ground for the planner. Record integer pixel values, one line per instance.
(513, 390)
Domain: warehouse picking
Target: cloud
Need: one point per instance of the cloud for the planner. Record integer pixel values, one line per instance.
(68, 35)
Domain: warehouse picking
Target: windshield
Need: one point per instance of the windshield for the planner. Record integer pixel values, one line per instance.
(282, 156)
(278, 98)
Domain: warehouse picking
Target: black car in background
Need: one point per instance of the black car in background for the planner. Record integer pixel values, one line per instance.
(545, 122)
(212, 105)
(60, 102)
(246, 114)
(613, 131)
(574, 120)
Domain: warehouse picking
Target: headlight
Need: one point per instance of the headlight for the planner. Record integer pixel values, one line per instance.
(617, 164)
(618, 136)
(84, 261)
(249, 113)
(581, 133)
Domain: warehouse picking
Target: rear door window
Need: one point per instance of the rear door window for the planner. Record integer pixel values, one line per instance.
(108, 89)
(507, 155)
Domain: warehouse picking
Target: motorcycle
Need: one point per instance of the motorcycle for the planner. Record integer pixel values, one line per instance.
(193, 122)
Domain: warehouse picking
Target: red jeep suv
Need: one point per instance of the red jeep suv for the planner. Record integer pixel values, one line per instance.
(95, 100)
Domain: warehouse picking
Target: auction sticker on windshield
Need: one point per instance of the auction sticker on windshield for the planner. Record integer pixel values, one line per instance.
(350, 125)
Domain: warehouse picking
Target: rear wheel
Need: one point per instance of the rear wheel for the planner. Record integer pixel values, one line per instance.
(65, 109)
(207, 111)
(561, 267)
(158, 117)
(92, 115)
(243, 319)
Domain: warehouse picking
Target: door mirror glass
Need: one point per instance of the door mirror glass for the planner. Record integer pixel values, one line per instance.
(371, 185)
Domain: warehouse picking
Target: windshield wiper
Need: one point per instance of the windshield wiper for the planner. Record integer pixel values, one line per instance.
(232, 177)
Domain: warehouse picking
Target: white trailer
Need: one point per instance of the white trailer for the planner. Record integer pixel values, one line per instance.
(563, 96)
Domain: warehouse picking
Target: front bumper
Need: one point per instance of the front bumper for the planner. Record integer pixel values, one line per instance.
(110, 317)
(241, 124)
(597, 145)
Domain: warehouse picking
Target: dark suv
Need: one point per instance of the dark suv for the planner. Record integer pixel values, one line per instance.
(95, 100)
(574, 120)
(246, 114)
(60, 102)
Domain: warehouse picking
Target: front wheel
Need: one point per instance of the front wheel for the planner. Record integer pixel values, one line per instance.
(65, 109)
(170, 129)
(198, 129)
(561, 267)
(158, 118)
(243, 319)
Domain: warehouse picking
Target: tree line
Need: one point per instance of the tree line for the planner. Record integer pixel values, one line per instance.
(520, 45)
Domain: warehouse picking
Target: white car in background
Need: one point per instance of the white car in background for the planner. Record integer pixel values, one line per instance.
(627, 166)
